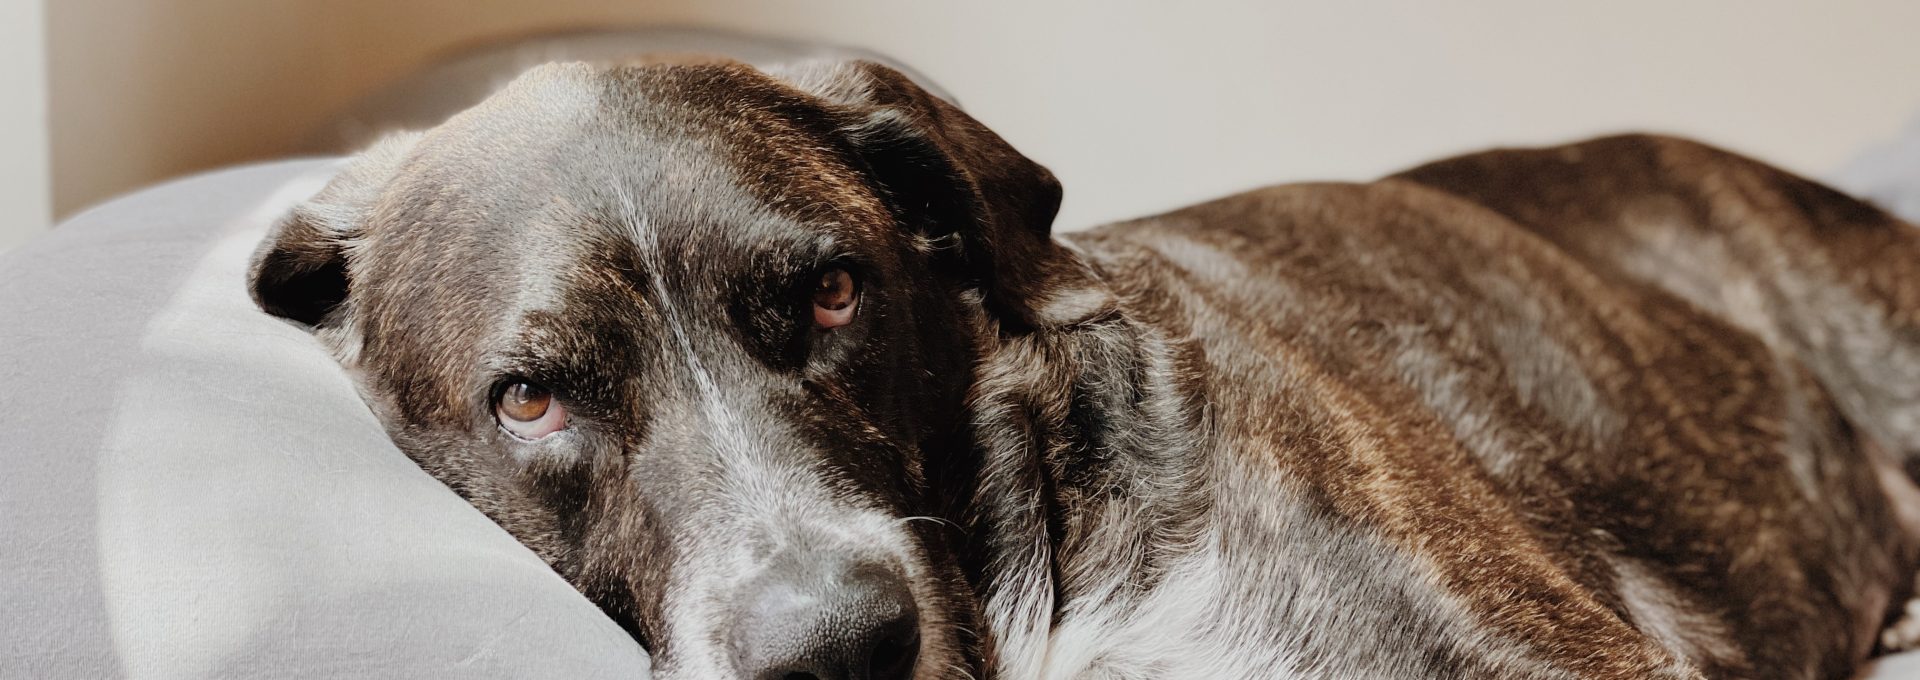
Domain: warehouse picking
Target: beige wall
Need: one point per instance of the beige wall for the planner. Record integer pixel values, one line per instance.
(1138, 106)
(147, 89)
(24, 208)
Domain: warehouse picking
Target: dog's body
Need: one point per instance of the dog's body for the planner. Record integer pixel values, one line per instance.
(1557, 413)
(1630, 408)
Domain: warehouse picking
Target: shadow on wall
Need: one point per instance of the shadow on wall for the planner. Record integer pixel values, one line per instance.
(144, 90)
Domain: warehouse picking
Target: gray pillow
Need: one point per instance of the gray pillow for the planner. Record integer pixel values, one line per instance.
(1888, 174)
(192, 489)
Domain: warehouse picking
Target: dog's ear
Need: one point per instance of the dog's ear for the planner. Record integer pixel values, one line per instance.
(301, 271)
(961, 185)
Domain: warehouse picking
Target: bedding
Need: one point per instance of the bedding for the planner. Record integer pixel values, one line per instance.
(1888, 174)
(193, 489)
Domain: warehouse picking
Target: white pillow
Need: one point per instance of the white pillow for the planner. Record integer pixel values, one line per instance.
(192, 489)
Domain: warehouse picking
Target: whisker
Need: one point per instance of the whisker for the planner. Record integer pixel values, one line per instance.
(958, 669)
(929, 518)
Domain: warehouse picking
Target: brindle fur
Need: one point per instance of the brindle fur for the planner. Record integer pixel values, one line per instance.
(1628, 408)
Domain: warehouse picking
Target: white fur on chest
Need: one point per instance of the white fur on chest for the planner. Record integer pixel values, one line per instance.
(1276, 589)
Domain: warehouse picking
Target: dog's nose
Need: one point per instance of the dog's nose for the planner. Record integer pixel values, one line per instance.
(820, 623)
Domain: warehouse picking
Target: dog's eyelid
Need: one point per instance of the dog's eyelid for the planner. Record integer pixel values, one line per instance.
(859, 266)
(502, 381)
(805, 273)
(834, 256)
(835, 245)
(505, 380)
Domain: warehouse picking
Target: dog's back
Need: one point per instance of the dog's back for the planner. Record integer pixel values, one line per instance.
(1628, 408)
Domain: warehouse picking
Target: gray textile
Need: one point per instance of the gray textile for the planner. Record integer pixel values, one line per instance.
(193, 489)
(1888, 174)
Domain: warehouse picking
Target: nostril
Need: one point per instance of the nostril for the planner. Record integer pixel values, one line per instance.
(894, 655)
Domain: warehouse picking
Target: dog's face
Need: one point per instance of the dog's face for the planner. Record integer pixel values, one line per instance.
(702, 338)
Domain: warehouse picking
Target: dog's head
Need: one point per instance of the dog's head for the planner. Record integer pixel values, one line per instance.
(702, 337)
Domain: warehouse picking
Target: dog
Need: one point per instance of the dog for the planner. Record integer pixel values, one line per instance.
(784, 370)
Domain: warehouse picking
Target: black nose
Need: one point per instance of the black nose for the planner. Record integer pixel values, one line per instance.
(804, 621)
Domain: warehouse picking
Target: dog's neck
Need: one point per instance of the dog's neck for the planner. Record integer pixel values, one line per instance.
(1076, 428)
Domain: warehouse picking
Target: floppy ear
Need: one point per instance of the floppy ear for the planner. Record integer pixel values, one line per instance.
(959, 183)
(300, 271)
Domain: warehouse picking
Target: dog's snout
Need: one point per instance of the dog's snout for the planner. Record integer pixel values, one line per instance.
(827, 623)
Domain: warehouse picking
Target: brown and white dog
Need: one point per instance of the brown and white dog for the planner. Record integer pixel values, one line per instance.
(785, 372)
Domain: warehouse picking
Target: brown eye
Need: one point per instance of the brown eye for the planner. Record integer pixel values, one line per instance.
(528, 411)
(834, 298)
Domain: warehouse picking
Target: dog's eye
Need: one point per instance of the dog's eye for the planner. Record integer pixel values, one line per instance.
(529, 411)
(834, 298)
